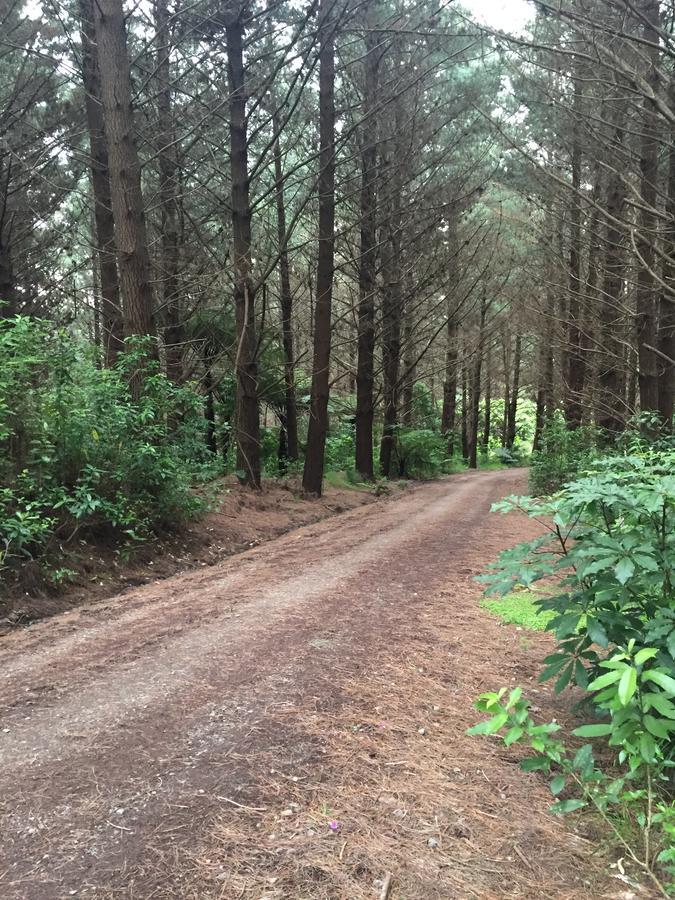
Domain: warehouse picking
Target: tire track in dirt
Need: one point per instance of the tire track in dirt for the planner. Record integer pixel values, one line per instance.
(123, 737)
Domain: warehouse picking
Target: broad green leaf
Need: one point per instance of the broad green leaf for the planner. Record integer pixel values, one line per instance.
(567, 806)
(491, 726)
(661, 704)
(643, 655)
(513, 735)
(598, 730)
(624, 570)
(604, 680)
(535, 764)
(558, 785)
(648, 748)
(670, 643)
(627, 686)
(657, 727)
(664, 681)
(596, 632)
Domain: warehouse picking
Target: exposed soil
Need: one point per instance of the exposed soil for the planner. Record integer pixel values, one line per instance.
(289, 723)
(99, 568)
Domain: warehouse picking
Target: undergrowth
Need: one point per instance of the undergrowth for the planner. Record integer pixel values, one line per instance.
(610, 547)
(79, 453)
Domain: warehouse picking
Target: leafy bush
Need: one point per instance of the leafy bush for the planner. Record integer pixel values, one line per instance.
(420, 453)
(562, 456)
(610, 550)
(340, 447)
(78, 451)
(424, 412)
(636, 791)
(505, 457)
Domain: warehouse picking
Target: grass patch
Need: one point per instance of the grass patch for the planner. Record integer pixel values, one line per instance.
(346, 481)
(519, 609)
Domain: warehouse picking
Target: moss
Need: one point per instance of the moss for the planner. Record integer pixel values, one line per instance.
(519, 609)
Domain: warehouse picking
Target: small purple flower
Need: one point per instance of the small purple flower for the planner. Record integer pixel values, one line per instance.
(334, 826)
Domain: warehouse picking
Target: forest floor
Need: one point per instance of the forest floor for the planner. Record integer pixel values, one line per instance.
(237, 520)
(290, 724)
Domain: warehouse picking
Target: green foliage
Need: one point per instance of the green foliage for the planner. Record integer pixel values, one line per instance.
(563, 455)
(636, 792)
(610, 549)
(340, 448)
(424, 413)
(506, 457)
(79, 452)
(519, 608)
(420, 453)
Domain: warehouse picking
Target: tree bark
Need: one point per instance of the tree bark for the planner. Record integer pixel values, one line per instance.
(247, 424)
(465, 405)
(666, 336)
(409, 363)
(449, 414)
(391, 339)
(125, 175)
(610, 414)
(649, 167)
(367, 263)
(290, 425)
(168, 200)
(111, 324)
(312, 480)
(475, 389)
(487, 422)
(515, 390)
(575, 374)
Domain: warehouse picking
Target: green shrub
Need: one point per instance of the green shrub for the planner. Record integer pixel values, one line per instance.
(78, 452)
(563, 455)
(610, 550)
(340, 447)
(420, 453)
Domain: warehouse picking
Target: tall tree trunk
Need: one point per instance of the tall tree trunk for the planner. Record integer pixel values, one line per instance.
(515, 390)
(647, 236)
(111, 324)
(449, 414)
(610, 414)
(465, 406)
(391, 340)
(286, 298)
(367, 262)
(475, 389)
(312, 480)
(575, 374)
(246, 366)
(209, 404)
(545, 406)
(487, 421)
(507, 386)
(168, 199)
(666, 361)
(125, 175)
(410, 363)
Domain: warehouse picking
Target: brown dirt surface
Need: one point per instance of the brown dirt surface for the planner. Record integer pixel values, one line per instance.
(98, 569)
(289, 723)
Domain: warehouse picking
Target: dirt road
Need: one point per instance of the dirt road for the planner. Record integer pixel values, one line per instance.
(287, 724)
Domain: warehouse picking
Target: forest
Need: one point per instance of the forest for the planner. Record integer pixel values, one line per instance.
(358, 246)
